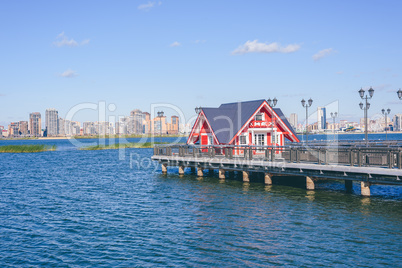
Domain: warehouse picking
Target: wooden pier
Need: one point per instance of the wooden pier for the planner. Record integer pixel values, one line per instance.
(376, 164)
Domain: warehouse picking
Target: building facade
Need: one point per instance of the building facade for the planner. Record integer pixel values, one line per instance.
(321, 118)
(398, 122)
(35, 124)
(293, 120)
(52, 122)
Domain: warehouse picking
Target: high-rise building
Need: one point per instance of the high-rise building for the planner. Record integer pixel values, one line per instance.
(398, 122)
(321, 118)
(89, 128)
(23, 128)
(173, 127)
(35, 124)
(13, 129)
(135, 122)
(52, 122)
(293, 120)
(62, 126)
(146, 125)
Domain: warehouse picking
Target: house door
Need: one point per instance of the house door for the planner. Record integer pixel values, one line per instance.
(259, 141)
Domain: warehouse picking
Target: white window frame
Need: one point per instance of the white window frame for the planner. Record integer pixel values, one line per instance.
(245, 140)
(262, 117)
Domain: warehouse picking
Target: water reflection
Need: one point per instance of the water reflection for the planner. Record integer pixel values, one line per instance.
(268, 188)
(246, 186)
(310, 194)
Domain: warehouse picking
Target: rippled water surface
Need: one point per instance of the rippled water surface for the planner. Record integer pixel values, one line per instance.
(94, 208)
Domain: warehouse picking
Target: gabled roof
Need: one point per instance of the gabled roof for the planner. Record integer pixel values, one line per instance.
(227, 120)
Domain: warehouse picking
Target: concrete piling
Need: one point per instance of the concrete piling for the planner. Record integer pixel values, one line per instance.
(200, 172)
(246, 176)
(181, 170)
(164, 168)
(309, 183)
(267, 178)
(221, 174)
(365, 188)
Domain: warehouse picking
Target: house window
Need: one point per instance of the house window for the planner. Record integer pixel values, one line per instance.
(243, 140)
(210, 140)
(259, 117)
(260, 139)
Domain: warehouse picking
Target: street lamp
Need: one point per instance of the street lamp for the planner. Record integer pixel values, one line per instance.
(399, 92)
(309, 103)
(160, 114)
(334, 115)
(365, 108)
(272, 103)
(386, 124)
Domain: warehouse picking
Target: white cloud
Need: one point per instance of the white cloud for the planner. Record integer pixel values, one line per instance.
(148, 6)
(323, 53)
(340, 72)
(69, 74)
(256, 47)
(62, 40)
(175, 44)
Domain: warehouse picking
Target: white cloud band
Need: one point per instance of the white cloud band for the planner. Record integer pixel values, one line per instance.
(257, 47)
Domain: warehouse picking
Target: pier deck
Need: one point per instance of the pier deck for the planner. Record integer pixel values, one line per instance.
(369, 165)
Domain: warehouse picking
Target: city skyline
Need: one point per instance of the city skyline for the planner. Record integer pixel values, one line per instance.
(139, 122)
(194, 54)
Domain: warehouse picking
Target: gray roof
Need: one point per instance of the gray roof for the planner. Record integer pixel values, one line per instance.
(229, 118)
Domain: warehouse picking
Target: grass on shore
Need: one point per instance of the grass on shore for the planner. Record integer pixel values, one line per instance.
(32, 148)
(122, 145)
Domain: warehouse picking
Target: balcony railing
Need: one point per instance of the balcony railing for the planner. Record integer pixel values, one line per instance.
(347, 155)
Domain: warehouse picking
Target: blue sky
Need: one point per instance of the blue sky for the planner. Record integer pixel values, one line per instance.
(58, 54)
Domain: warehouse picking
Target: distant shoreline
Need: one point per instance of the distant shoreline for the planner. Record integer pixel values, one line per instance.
(170, 136)
(93, 137)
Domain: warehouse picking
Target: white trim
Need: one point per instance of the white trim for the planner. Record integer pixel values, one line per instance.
(291, 134)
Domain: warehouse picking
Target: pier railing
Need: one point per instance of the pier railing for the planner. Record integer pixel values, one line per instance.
(373, 156)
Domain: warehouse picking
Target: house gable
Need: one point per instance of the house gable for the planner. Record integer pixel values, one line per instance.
(229, 120)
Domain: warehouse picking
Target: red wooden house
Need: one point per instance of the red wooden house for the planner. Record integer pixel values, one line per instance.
(242, 123)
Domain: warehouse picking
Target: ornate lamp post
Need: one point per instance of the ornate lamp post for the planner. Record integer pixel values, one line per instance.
(365, 108)
(386, 123)
(399, 92)
(334, 115)
(272, 103)
(160, 114)
(310, 102)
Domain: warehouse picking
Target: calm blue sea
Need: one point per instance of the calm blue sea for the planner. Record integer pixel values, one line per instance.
(72, 208)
